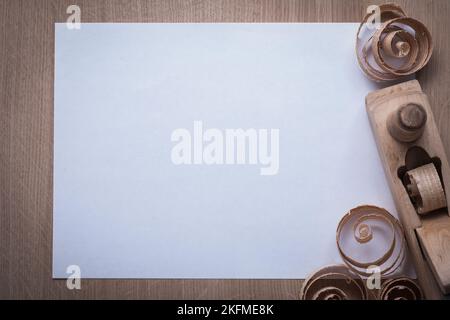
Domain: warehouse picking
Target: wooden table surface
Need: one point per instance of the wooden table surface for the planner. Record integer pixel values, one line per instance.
(26, 130)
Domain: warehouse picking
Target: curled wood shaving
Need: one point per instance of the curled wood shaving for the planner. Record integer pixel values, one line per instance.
(362, 217)
(344, 282)
(333, 283)
(425, 189)
(401, 289)
(399, 46)
(363, 233)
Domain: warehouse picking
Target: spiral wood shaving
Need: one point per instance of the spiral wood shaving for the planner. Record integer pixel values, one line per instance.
(425, 189)
(401, 289)
(334, 283)
(362, 217)
(345, 282)
(399, 46)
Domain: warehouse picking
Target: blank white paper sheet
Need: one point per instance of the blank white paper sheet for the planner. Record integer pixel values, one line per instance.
(145, 182)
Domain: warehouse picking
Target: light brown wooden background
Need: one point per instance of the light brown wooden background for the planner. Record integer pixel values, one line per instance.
(26, 129)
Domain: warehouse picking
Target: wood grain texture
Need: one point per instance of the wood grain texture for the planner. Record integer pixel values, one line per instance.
(26, 129)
